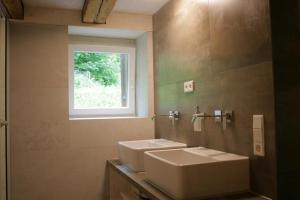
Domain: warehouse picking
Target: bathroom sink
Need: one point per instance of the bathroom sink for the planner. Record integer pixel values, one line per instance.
(131, 153)
(197, 172)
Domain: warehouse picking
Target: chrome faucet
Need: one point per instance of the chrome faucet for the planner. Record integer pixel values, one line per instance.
(223, 117)
(174, 116)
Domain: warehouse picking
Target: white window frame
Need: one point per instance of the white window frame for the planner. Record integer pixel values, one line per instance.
(98, 112)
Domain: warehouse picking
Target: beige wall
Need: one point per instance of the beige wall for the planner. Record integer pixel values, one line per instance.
(53, 158)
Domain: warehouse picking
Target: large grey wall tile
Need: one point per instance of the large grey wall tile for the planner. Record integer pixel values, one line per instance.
(225, 47)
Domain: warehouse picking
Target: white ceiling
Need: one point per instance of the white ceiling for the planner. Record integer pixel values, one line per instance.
(140, 6)
(62, 4)
(132, 6)
(104, 32)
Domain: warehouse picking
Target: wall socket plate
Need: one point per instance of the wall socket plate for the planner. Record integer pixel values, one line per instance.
(189, 86)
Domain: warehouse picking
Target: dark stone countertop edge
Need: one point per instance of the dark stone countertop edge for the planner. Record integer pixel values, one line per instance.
(138, 180)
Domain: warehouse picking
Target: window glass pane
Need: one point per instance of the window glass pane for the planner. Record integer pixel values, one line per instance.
(100, 80)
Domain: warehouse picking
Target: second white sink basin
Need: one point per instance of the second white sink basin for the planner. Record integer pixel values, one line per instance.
(197, 172)
(131, 153)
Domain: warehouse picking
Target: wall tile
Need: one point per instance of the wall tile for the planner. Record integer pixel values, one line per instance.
(174, 42)
(228, 55)
(240, 33)
(53, 157)
(47, 60)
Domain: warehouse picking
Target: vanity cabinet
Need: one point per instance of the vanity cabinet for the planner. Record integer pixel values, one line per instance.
(125, 184)
(121, 188)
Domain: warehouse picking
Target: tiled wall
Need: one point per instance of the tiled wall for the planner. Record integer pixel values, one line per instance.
(225, 47)
(286, 53)
(53, 157)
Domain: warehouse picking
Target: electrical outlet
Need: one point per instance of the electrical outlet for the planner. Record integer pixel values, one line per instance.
(189, 86)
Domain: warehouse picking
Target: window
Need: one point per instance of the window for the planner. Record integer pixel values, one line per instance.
(102, 80)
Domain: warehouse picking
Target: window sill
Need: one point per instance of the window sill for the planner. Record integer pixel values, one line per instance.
(74, 118)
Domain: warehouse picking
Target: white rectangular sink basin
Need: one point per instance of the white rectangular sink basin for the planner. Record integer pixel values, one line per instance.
(197, 172)
(131, 153)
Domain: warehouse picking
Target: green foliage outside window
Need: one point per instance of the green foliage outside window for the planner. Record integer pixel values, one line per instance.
(97, 80)
(103, 68)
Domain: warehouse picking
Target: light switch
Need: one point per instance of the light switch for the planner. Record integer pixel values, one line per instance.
(189, 86)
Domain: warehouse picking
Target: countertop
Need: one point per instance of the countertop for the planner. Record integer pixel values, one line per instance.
(138, 180)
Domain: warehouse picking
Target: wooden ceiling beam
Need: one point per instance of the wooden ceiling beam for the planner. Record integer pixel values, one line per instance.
(105, 10)
(90, 10)
(13, 8)
(96, 11)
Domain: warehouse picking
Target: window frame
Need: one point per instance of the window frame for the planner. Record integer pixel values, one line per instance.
(98, 112)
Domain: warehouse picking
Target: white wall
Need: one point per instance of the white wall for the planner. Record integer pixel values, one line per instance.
(144, 75)
(53, 158)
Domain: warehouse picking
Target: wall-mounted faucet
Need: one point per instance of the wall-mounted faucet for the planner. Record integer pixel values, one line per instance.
(220, 116)
(174, 116)
(223, 117)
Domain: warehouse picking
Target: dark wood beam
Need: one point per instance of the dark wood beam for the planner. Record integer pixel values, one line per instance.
(13, 8)
(96, 11)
